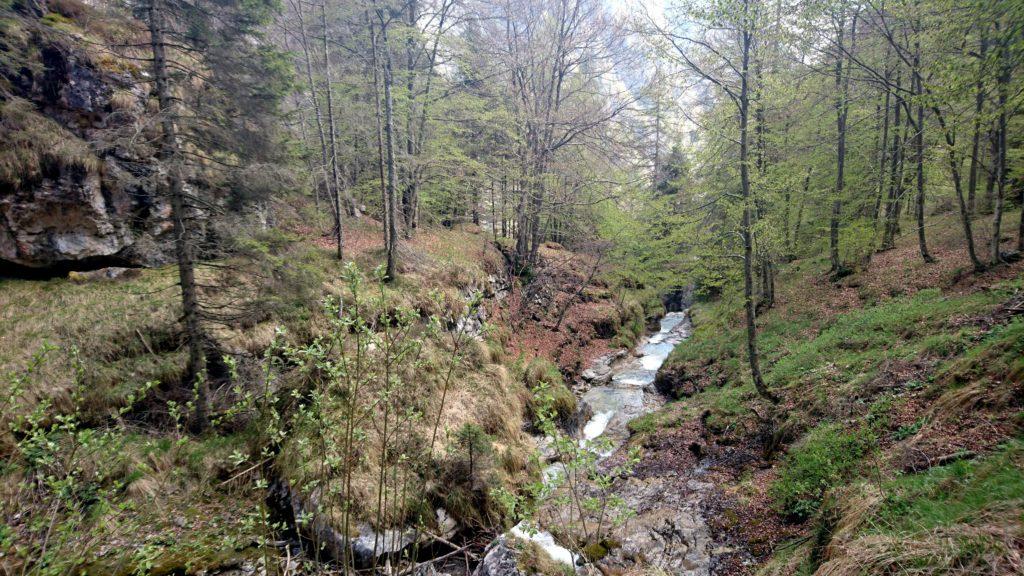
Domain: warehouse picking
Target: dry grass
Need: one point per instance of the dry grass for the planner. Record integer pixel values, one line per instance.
(36, 147)
(990, 546)
(106, 321)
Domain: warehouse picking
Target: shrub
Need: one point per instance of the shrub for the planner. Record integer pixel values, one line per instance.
(562, 400)
(826, 457)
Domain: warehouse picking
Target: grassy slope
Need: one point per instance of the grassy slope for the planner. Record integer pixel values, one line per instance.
(167, 499)
(885, 377)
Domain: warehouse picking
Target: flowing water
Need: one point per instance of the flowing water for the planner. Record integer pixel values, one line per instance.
(628, 395)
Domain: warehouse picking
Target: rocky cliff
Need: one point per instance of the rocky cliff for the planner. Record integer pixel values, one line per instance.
(76, 177)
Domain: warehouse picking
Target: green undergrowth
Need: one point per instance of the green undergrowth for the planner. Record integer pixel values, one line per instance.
(960, 518)
(847, 378)
(824, 458)
(964, 492)
(538, 372)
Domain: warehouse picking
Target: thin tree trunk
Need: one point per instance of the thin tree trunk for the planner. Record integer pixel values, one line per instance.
(335, 180)
(411, 203)
(504, 192)
(379, 117)
(842, 81)
(494, 214)
(1020, 227)
(474, 198)
(979, 106)
(318, 114)
(170, 155)
(965, 211)
(410, 191)
(389, 133)
(746, 230)
(883, 152)
(1002, 91)
(919, 151)
(892, 207)
(791, 240)
(990, 171)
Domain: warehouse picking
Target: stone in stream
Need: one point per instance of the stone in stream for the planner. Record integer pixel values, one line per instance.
(600, 372)
(500, 559)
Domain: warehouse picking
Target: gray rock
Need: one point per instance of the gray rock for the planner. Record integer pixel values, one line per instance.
(668, 530)
(446, 525)
(370, 545)
(75, 215)
(500, 559)
(104, 274)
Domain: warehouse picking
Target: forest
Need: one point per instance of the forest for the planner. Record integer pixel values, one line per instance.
(511, 287)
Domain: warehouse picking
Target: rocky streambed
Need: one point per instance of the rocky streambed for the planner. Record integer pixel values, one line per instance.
(667, 529)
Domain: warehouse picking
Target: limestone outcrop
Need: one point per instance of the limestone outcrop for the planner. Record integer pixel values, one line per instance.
(77, 187)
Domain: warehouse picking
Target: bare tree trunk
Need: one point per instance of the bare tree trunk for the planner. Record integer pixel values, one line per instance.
(1020, 227)
(990, 171)
(170, 155)
(391, 230)
(504, 192)
(494, 214)
(892, 207)
(474, 198)
(979, 106)
(791, 239)
(410, 191)
(842, 81)
(746, 230)
(799, 219)
(918, 83)
(884, 149)
(416, 136)
(379, 117)
(965, 211)
(316, 109)
(1002, 82)
(335, 180)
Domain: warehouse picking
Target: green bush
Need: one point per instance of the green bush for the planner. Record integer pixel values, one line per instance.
(824, 459)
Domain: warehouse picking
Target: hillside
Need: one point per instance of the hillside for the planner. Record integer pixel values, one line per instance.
(897, 441)
(94, 367)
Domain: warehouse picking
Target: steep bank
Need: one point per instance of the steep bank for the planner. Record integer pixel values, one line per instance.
(897, 442)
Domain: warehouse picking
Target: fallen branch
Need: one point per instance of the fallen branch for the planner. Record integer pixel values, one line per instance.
(940, 460)
(144, 343)
(246, 471)
(438, 559)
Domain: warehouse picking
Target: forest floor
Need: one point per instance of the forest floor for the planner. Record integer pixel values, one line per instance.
(898, 439)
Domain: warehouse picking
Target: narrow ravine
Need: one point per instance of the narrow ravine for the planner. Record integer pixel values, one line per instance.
(668, 530)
